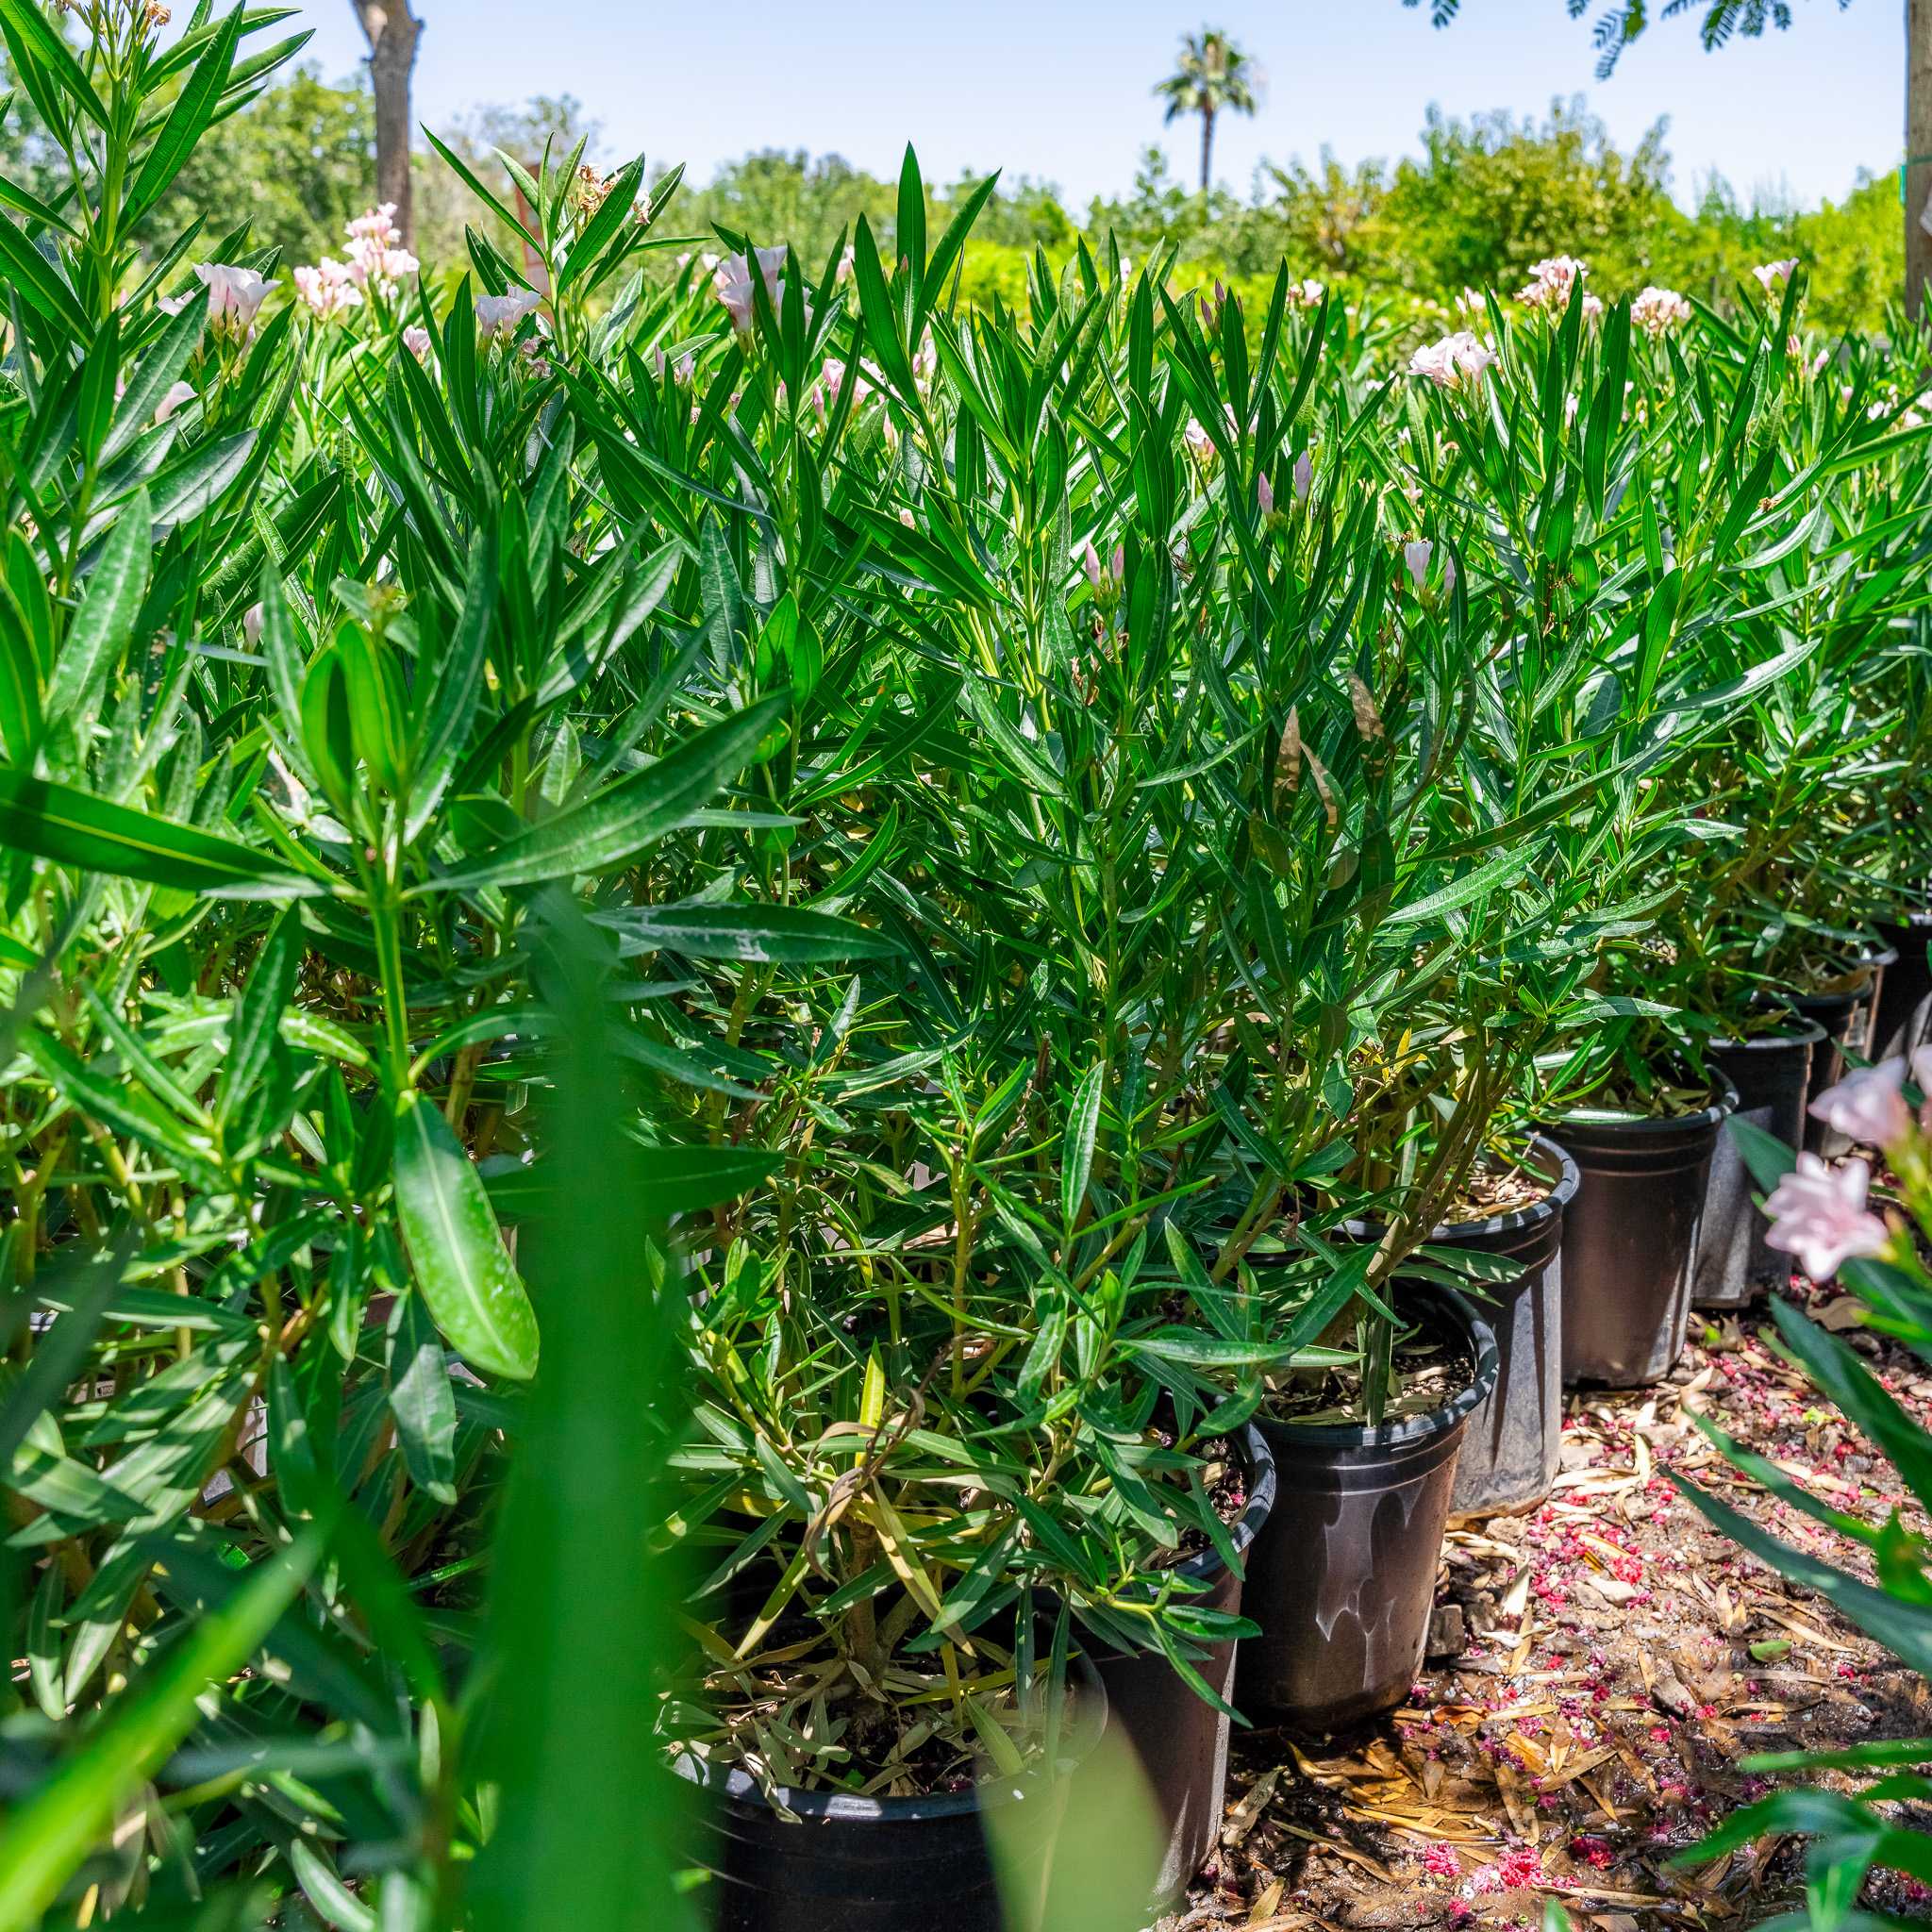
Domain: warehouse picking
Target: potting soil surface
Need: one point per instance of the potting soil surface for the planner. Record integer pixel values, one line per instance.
(1598, 1669)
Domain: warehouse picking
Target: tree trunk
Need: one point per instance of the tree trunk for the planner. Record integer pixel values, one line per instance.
(1208, 140)
(1918, 174)
(392, 29)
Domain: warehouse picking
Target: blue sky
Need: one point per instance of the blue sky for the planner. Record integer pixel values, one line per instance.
(1060, 89)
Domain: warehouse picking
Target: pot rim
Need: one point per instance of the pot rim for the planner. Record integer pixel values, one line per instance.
(1264, 1481)
(1726, 1100)
(1766, 1043)
(1563, 1187)
(1859, 966)
(1427, 1427)
(846, 1808)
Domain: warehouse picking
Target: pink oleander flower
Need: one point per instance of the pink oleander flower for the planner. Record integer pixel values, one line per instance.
(251, 623)
(416, 340)
(498, 315)
(1456, 361)
(1551, 281)
(1090, 563)
(681, 371)
(925, 361)
(234, 294)
(833, 381)
(376, 224)
(328, 289)
(732, 283)
(377, 258)
(1592, 309)
(1264, 495)
(1819, 1214)
(1200, 444)
(1658, 311)
(179, 396)
(1770, 274)
(1304, 477)
(1868, 1105)
(1416, 554)
(1306, 295)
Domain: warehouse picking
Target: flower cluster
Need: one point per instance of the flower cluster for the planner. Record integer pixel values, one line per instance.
(1658, 311)
(590, 190)
(1770, 274)
(1456, 361)
(328, 289)
(732, 282)
(832, 385)
(1417, 554)
(234, 294)
(1817, 1211)
(376, 263)
(498, 315)
(377, 258)
(1551, 281)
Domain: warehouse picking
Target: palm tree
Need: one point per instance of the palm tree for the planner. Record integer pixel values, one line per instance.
(1212, 77)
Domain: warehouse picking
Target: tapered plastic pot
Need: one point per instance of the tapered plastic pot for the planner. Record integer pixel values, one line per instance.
(1902, 1009)
(1180, 1739)
(1734, 1264)
(1630, 1241)
(848, 1864)
(1512, 1447)
(1342, 1580)
(1844, 1013)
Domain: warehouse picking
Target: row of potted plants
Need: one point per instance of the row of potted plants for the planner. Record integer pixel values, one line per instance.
(1137, 862)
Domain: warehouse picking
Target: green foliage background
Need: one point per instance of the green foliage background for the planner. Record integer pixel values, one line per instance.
(1486, 197)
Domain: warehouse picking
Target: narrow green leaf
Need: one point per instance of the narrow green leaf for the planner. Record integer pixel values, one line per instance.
(781, 935)
(1076, 1147)
(73, 827)
(455, 1248)
(104, 626)
(621, 821)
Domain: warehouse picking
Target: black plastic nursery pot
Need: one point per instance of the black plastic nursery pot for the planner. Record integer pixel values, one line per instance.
(1630, 1239)
(1342, 1582)
(1510, 1451)
(849, 1864)
(1844, 1013)
(1901, 1008)
(1734, 1264)
(1180, 1739)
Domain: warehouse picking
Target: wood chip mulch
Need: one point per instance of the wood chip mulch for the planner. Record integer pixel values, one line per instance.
(1614, 1660)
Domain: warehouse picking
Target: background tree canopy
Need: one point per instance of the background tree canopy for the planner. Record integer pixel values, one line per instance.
(1485, 198)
